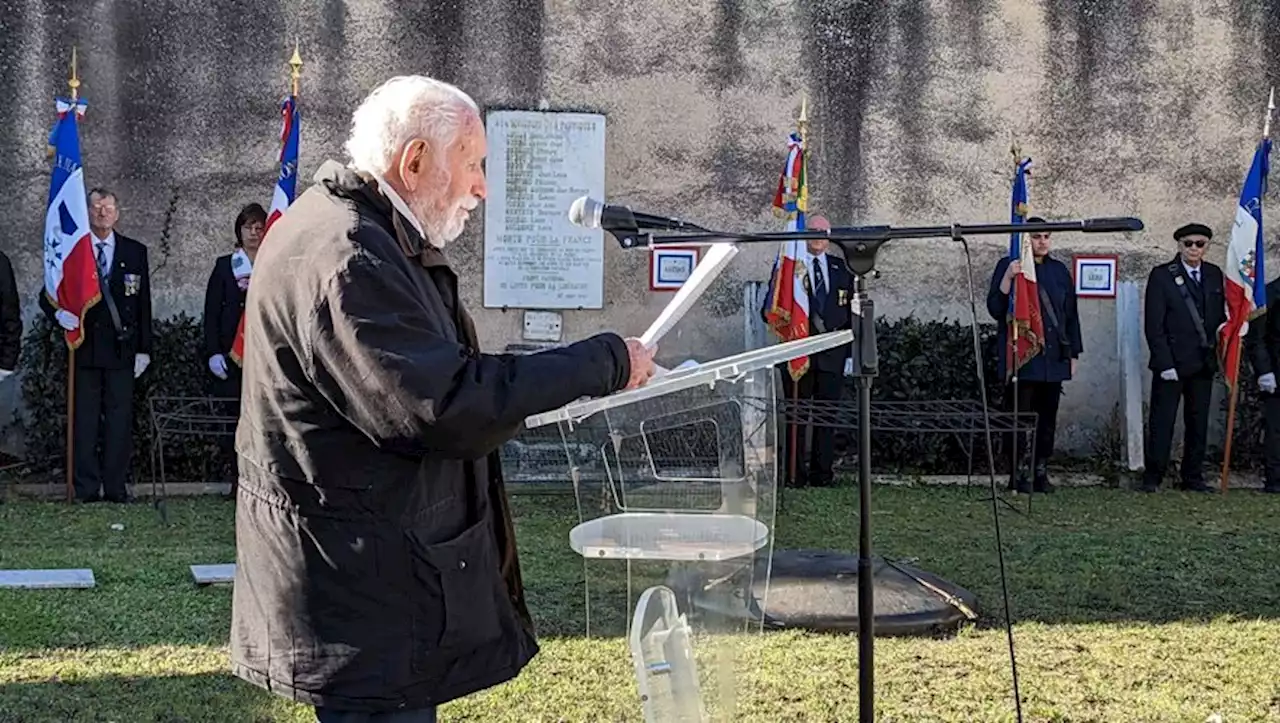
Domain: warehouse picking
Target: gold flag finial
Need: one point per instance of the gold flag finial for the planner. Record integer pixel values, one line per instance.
(1271, 105)
(802, 123)
(74, 81)
(295, 63)
(1016, 150)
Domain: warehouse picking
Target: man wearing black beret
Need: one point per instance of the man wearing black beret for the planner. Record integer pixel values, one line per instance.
(1185, 305)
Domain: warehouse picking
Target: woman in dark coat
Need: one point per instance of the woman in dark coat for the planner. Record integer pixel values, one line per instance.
(223, 305)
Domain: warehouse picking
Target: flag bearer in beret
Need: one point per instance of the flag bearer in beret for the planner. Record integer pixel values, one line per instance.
(1185, 305)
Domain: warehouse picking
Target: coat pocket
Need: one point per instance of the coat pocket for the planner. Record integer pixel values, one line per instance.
(458, 610)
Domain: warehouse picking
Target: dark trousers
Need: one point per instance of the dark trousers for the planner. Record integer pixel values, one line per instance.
(1041, 398)
(104, 404)
(423, 715)
(1271, 438)
(815, 468)
(1194, 394)
(227, 389)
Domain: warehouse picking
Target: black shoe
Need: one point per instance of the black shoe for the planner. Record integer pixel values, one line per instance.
(1272, 489)
(1149, 487)
(1042, 484)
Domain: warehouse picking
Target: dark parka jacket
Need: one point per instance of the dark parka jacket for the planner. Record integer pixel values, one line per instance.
(376, 565)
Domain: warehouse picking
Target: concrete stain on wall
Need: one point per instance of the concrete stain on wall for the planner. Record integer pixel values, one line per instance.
(727, 68)
(438, 26)
(523, 21)
(1097, 111)
(843, 40)
(911, 71)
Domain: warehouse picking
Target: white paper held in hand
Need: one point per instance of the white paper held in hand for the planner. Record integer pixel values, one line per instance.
(718, 256)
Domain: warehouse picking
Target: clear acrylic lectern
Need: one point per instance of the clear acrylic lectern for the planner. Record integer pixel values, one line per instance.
(676, 488)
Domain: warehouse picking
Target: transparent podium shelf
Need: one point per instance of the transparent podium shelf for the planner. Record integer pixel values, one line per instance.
(728, 368)
(669, 536)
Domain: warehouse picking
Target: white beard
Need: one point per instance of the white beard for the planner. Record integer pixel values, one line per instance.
(441, 228)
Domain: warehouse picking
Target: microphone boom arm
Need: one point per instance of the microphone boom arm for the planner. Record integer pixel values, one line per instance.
(860, 244)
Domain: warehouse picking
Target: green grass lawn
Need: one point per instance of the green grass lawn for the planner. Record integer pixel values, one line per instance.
(1127, 607)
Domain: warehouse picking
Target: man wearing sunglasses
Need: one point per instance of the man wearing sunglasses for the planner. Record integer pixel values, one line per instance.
(1185, 305)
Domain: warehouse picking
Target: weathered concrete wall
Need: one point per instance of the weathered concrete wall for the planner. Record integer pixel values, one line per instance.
(1143, 107)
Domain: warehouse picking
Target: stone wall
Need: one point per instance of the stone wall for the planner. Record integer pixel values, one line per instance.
(1127, 107)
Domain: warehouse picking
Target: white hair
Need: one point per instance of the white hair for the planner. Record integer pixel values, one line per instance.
(402, 109)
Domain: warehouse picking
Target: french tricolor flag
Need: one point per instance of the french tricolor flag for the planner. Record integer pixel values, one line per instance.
(70, 270)
(285, 191)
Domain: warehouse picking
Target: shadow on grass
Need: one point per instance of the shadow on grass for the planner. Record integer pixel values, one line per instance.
(1081, 556)
(201, 698)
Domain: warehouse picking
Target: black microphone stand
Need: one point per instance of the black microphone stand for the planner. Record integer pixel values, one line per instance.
(860, 246)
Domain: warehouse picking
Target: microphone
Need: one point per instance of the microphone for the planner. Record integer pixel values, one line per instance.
(590, 213)
(1110, 225)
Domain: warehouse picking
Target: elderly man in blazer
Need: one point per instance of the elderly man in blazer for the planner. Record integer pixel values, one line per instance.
(830, 289)
(1185, 305)
(116, 350)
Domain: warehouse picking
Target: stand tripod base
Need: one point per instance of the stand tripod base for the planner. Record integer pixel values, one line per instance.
(817, 590)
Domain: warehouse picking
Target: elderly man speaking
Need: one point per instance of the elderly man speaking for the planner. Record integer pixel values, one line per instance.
(376, 569)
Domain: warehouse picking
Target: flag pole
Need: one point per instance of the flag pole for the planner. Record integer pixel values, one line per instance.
(74, 83)
(1012, 351)
(1235, 373)
(802, 129)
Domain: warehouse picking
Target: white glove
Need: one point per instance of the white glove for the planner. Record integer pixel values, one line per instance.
(1267, 382)
(67, 320)
(6, 373)
(848, 367)
(218, 365)
(140, 362)
(1169, 375)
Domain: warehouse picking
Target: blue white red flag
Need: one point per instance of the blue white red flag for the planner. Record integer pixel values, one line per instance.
(285, 191)
(70, 270)
(1245, 272)
(287, 184)
(1026, 326)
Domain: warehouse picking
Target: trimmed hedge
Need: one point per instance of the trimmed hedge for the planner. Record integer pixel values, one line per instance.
(919, 361)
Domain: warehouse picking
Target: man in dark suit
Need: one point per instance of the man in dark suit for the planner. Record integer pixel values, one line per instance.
(116, 350)
(10, 320)
(830, 286)
(1184, 307)
(1039, 381)
(1263, 347)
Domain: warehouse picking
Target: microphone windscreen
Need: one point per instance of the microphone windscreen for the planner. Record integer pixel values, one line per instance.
(585, 211)
(1111, 225)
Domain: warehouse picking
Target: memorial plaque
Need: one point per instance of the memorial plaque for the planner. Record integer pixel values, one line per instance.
(538, 163)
